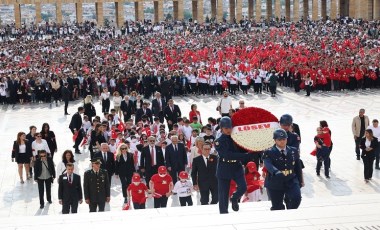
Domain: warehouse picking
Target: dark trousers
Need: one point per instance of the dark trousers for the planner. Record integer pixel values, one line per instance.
(66, 105)
(105, 106)
(73, 205)
(174, 174)
(368, 165)
(94, 205)
(293, 195)
(150, 173)
(78, 140)
(125, 182)
(357, 147)
(326, 165)
(205, 196)
(41, 185)
(377, 155)
(224, 189)
(308, 90)
(272, 89)
(186, 200)
(160, 202)
(138, 206)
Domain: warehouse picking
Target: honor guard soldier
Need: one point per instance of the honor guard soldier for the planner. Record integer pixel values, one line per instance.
(96, 186)
(229, 167)
(284, 173)
(286, 122)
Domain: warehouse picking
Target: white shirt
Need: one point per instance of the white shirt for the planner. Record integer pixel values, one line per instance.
(40, 146)
(186, 130)
(183, 189)
(225, 104)
(154, 153)
(205, 159)
(105, 96)
(376, 131)
(61, 168)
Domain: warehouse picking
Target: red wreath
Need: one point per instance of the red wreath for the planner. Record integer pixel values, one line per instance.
(252, 115)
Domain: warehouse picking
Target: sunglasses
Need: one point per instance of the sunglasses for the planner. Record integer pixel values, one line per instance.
(42, 155)
(39, 136)
(152, 141)
(123, 148)
(206, 149)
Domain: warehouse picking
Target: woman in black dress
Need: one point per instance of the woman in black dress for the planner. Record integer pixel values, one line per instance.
(49, 136)
(22, 153)
(368, 144)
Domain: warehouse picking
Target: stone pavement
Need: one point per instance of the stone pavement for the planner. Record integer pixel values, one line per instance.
(337, 108)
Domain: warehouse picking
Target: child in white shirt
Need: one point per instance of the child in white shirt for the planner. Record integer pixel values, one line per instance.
(183, 188)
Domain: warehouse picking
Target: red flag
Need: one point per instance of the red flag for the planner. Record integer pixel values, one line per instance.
(121, 127)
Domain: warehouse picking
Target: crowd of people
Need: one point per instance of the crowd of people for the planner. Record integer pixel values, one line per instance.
(141, 139)
(178, 58)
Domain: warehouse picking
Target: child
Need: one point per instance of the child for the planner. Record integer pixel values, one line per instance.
(137, 191)
(161, 185)
(155, 127)
(112, 146)
(196, 125)
(86, 123)
(183, 188)
(254, 184)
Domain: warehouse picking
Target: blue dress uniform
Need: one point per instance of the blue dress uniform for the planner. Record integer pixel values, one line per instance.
(284, 175)
(229, 168)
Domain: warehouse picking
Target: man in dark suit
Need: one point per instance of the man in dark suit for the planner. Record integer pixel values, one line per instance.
(148, 153)
(126, 107)
(144, 110)
(172, 113)
(69, 190)
(167, 87)
(96, 187)
(124, 168)
(175, 158)
(158, 105)
(76, 126)
(66, 95)
(203, 174)
(108, 160)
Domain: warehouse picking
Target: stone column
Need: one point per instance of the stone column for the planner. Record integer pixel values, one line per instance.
(194, 9)
(333, 10)
(99, 13)
(79, 12)
(38, 12)
(352, 12)
(315, 10)
(324, 9)
(119, 13)
(219, 16)
(376, 9)
(139, 11)
(296, 10)
(17, 15)
(287, 10)
(269, 9)
(180, 10)
(213, 8)
(250, 9)
(277, 9)
(239, 10)
(158, 11)
(365, 10)
(175, 10)
(200, 17)
(305, 9)
(58, 12)
(258, 10)
(232, 10)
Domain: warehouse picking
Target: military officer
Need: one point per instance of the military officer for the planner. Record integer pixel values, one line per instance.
(96, 186)
(284, 173)
(229, 167)
(294, 139)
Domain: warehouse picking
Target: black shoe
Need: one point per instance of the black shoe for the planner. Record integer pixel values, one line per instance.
(327, 177)
(358, 158)
(377, 168)
(67, 113)
(125, 200)
(77, 152)
(42, 206)
(50, 202)
(235, 205)
(318, 174)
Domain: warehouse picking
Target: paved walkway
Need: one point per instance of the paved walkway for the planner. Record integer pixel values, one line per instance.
(337, 108)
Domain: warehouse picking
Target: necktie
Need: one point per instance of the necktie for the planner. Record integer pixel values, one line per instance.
(206, 161)
(70, 179)
(105, 157)
(171, 107)
(152, 155)
(175, 148)
(283, 154)
(159, 101)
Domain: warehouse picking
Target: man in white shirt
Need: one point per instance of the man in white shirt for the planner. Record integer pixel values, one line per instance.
(376, 133)
(225, 104)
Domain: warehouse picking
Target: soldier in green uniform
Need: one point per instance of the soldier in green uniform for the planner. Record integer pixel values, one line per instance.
(96, 186)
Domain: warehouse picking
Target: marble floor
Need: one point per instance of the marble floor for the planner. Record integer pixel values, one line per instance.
(338, 108)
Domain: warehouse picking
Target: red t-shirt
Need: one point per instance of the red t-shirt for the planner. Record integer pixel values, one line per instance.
(138, 192)
(250, 179)
(161, 184)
